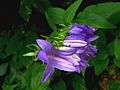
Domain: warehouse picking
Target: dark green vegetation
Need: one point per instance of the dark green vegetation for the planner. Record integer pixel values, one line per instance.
(23, 21)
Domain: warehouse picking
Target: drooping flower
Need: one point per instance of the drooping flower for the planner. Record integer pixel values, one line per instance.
(82, 34)
(55, 58)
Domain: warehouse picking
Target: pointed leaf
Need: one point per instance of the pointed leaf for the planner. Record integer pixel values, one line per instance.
(71, 10)
(54, 16)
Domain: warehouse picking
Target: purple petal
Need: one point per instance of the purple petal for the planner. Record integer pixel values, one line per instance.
(93, 38)
(75, 43)
(62, 64)
(75, 37)
(45, 45)
(42, 56)
(71, 59)
(67, 52)
(83, 64)
(78, 68)
(49, 70)
(80, 50)
(75, 30)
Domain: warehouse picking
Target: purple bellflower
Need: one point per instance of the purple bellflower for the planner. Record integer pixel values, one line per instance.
(55, 58)
(73, 56)
(82, 34)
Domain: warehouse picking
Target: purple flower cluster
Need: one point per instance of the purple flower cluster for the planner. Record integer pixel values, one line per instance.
(80, 38)
(74, 54)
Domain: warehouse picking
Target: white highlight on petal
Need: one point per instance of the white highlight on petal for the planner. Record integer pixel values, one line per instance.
(75, 44)
(75, 41)
(64, 48)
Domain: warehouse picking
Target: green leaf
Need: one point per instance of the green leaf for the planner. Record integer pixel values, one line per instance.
(3, 68)
(117, 48)
(78, 83)
(94, 20)
(71, 10)
(117, 62)
(100, 62)
(11, 76)
(101, 41)
(14, 43)
(9, 87)
(113, 85)
(110, 48)
(35, 72)
(54, 16)
(41, 5)
(109, 10)
(25, 9)
(30, 37)
(30, 54)
(59, 85)
(4, 38)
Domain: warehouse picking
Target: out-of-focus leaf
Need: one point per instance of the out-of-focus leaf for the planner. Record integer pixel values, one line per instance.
(110, 48)
(117, 48)
(94, 20)
(78, 83)
(100, 62)
(3, 68)
(25, 9)
(14, 43)
(9, 87)
(10, 78)
(117, 62)
(59, 85)
(41, 5)
(113, 85)
(30, 37)
(35, 73)
(117, 52)
(54, 16)
(109, 10)
(71, 10)
(101, 41)
(4, 37)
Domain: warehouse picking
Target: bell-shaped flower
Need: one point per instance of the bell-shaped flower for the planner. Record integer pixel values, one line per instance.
(82, 32)
(55, 58)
